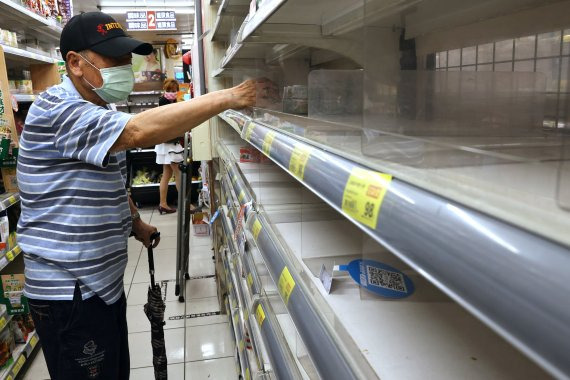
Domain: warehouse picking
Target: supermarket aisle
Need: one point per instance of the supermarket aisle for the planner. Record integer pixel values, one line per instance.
(198, 347)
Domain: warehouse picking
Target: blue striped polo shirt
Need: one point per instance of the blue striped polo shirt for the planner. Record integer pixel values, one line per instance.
(75, 219)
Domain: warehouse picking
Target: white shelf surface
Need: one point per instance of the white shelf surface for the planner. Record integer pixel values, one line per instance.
(424, 336)
(469, 347)
(24, 97)
(27, 56)
(20, 355)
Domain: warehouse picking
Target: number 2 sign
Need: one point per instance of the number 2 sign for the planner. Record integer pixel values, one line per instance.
(151, 19)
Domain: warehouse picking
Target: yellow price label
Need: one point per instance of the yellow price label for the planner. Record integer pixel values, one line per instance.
(17, 250)
(286, 284)
(10, 255)
(241, 345)
(259, 315)
(249, 130)
(18, 365)
(2, 322)
(298, 161)
(241, 196)
(247, 375)
(267, 142)
(234, 179)
(12, 199)
(236, 318)
(249, 280)
(256, 229)
(9, 377)
(34, 341)
(363, 195)
(246, 315)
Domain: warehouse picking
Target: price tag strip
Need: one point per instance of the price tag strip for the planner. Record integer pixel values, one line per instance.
(286, 285)
(249, 131)
(259, 315)
(256, 229)
(298, 162)
(267, 142)
(363, 195)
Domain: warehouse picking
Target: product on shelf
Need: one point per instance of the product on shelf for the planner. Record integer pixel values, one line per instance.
(9, 38)
(7, 346)
(200, 225)
(22, 325)
(13, 293)
(249, 154)
(9, 179)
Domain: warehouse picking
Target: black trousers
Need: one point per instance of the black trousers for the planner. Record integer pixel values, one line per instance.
(83, 339)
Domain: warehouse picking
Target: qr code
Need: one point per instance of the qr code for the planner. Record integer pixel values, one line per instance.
(386, 279)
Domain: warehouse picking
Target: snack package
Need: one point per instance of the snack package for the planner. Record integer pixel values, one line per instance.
(6, 347)
(249, 154)
(22, 325)
(13, 293)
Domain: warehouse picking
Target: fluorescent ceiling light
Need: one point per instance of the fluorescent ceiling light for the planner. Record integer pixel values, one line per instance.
(146, 3)
(124, 10)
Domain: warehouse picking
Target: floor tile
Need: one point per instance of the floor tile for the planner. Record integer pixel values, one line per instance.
(201, 288)
(164, 269)
(204, 305)
(38, 369)
(129, 273)
(201, 267)
(138, 321)
(201, 252)
(175, 371)
(223, 368)
(198, 241)
(209, 342)
(167, 242)
(138, 292)
(141, 350)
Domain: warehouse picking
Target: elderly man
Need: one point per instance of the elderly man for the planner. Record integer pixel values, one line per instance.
(76, 215)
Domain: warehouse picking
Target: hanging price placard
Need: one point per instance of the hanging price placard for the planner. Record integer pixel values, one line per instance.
(299, 158)
(363, 195)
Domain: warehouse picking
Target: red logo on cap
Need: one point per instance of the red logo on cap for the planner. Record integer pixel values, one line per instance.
(101, 29)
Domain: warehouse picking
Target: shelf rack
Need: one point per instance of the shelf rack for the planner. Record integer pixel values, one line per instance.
(256, 314)
(8, 199)
(20, 355)
(27, 56)
(477, 260)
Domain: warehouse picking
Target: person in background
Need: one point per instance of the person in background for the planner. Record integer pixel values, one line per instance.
(170, 153)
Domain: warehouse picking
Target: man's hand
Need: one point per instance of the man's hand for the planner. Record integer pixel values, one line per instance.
(243, 95)
(143, 231)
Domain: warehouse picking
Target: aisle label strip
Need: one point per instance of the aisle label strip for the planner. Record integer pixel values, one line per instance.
(259, 315)
(286, 285)
(267, 142)
(299, 158)
(363, 195)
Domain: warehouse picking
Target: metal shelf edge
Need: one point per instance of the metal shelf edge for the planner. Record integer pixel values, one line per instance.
(453, 246)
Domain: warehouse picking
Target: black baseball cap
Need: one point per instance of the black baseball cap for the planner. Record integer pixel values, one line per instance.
(99, 32)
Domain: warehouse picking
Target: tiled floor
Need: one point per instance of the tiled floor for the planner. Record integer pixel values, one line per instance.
(197, 348)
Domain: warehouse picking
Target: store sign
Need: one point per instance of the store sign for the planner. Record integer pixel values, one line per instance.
(151, 20)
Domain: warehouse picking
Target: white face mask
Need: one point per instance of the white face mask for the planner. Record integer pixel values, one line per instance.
(118, 82)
